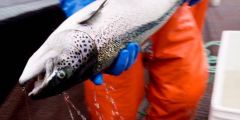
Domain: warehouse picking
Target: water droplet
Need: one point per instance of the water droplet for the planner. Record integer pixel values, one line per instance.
(113, 113)
(65, 94)
(83, 117)
(95, 95)
(121, 117)
(112, 88)
(23, 88)
(103, 117)
(117, 113)
(97, 113)
(97, 105)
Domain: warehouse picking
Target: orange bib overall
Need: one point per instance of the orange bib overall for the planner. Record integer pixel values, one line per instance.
(178, 75)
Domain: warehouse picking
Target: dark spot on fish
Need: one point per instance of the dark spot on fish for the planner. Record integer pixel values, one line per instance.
(74, 56)
(69, 63)
(72, 61)
(90, 46)
(85, 58)
(80, 51)
(85, 44)
(87, 55)
(80, 45)
(79, 60)
(83, 41)
(85, 50)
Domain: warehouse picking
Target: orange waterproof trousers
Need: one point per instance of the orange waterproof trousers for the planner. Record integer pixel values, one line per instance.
(199, 12)
(178, 74)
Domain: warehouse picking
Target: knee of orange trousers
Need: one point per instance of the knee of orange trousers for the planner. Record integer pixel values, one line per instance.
(127, 94)
(178, 68)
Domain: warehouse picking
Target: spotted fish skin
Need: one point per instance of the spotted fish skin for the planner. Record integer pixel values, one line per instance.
(88, 42)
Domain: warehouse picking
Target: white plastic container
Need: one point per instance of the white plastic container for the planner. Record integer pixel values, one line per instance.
(215, 3)
(225, 104)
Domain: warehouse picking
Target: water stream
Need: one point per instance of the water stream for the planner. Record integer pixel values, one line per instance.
(66, 98)
(108, 96)
(26, 97)
(96, 103)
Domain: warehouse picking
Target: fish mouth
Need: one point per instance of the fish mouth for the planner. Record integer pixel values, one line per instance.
(38, 85)
(47, 86)
(42, 87)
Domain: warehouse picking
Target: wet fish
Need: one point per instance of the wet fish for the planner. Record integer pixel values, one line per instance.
(89, 41)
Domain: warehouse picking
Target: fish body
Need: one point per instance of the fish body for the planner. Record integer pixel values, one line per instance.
(90, 40)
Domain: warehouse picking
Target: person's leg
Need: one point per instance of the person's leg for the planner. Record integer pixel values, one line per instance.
(178, 69)
(199, 12)
(127, 96)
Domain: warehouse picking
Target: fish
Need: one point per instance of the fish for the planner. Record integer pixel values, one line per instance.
(88, 42)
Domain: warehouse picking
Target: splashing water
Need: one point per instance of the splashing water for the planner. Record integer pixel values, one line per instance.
(23, 88)
(115, 109)
(66, 98)
(111, 88)
(26, 97)
(69, 110)
(96, 104)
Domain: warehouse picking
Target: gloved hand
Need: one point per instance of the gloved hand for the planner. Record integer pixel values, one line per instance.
(72, 6)
(124, 61)
(192, 2)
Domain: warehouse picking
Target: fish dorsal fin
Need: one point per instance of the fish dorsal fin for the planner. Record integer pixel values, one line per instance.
(81, 16)
(95, 8)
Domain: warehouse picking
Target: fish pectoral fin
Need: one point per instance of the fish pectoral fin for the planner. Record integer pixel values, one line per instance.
(146, 47)
(94, 8)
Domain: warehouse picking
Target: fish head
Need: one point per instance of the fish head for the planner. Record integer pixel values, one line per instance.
(68, 60)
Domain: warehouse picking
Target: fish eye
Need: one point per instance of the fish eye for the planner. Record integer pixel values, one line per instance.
(61, 74)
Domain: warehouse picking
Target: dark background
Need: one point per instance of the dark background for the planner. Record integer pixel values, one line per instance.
(20, 37)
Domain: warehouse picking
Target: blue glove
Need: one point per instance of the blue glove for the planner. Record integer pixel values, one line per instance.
(192, 2)
(72, 6)
(124, 61)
